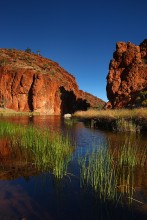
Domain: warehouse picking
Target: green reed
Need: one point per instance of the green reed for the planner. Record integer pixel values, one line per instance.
(8, 129)
(110, 173)
(50, 151)
(97, 171)
(123, 125)
(132, 155)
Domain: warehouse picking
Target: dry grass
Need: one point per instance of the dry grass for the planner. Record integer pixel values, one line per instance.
(11, 112)
(122, 120)
(140, 113)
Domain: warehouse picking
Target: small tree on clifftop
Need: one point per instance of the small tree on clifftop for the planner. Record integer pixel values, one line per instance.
(28, 50)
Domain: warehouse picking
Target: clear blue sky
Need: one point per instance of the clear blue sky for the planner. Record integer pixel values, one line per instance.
(78, 34)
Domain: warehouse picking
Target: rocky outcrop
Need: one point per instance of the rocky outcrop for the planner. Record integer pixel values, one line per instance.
(29, 82)
(127, 75)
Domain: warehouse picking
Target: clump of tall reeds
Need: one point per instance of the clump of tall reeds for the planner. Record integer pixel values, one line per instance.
(111, 173)
(50, 151)
(97, 171)
(122, 125)
(132, 155)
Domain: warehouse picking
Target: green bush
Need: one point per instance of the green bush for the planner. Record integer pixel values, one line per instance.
(28, 50)
(3, 62)
(142, 98)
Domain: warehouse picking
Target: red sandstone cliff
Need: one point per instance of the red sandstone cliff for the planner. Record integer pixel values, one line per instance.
(29, 82)
(127, 75)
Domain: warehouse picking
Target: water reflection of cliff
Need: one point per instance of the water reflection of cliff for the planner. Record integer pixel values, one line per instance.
(16, 203)
(52, 122)
(14, 162)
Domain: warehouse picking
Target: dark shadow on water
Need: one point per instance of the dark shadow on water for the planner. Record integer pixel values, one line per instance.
(65, 200)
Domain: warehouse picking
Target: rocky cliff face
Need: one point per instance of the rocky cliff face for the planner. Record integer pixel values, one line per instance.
(29, 82)
(127, 75)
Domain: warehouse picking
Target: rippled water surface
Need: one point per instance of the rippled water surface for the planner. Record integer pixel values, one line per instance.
(27, 193)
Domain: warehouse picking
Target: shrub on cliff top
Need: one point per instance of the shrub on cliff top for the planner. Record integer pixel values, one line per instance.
(28, 50)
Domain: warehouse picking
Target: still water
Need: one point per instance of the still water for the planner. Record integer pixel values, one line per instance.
(29, 194)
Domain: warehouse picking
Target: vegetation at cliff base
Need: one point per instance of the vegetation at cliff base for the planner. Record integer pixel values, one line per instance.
(141, 99)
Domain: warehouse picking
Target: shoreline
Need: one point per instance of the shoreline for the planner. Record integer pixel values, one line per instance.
(120, 120)
(11, 112)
